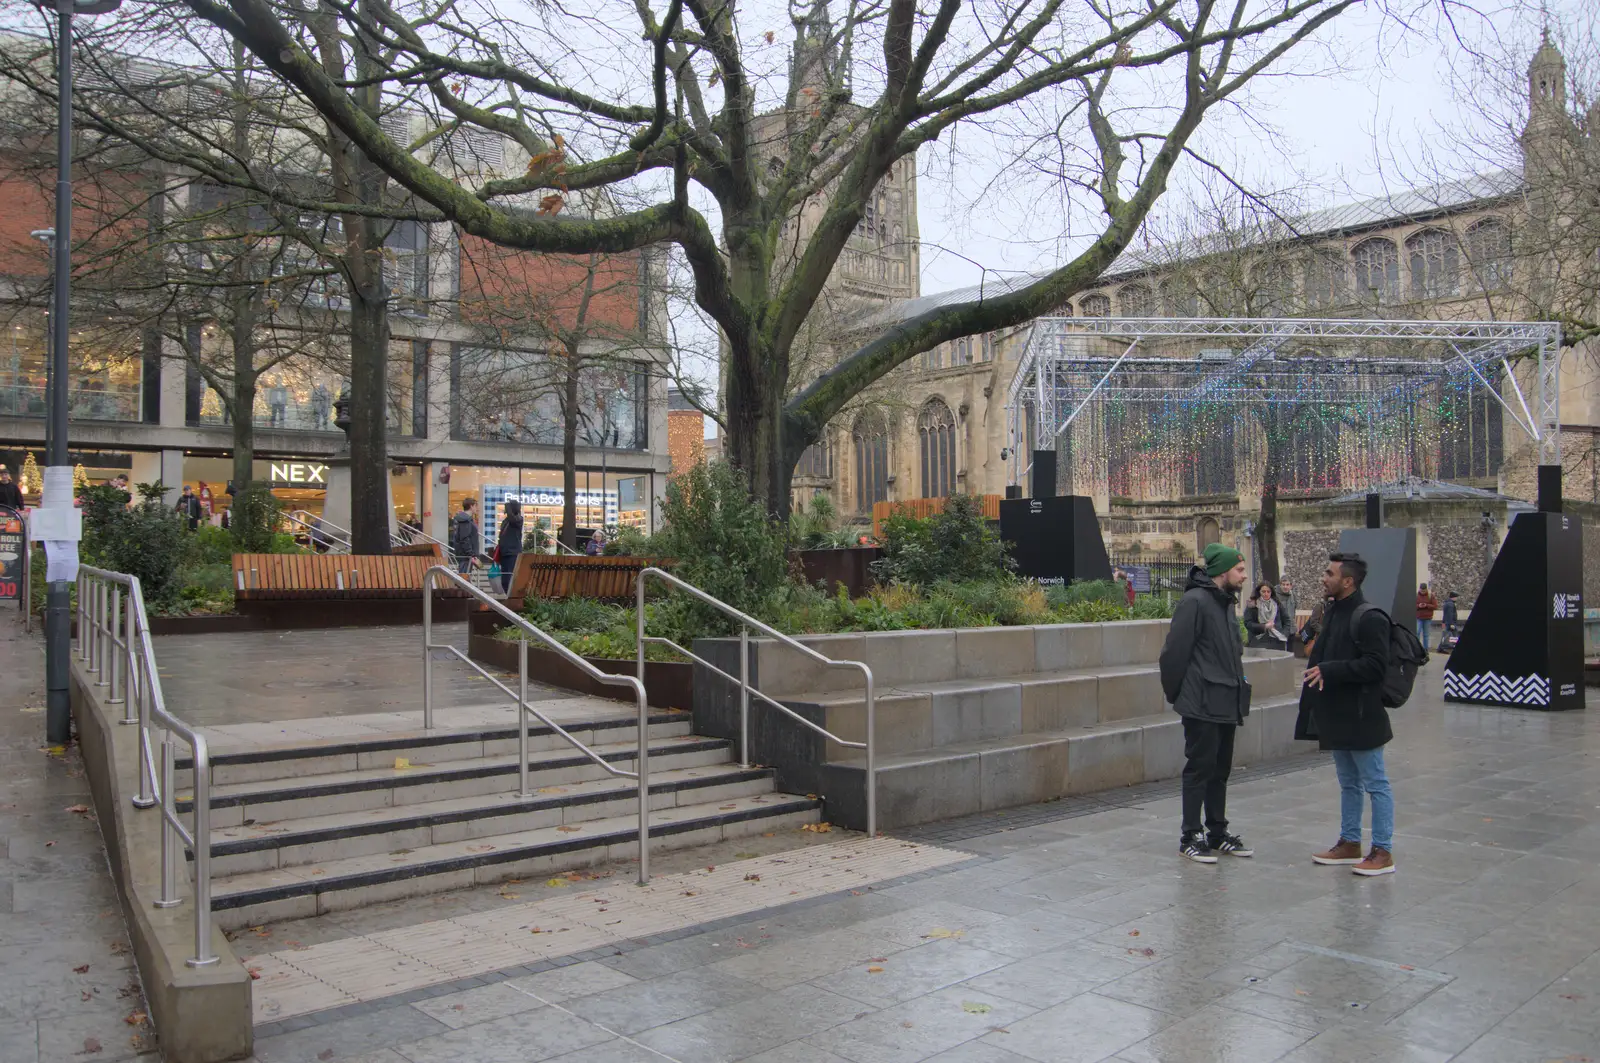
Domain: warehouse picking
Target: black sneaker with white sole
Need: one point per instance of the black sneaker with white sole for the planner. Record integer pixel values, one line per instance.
(1194, 847)
(1229, 845)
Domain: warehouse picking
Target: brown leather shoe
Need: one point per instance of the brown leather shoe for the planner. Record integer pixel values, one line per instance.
(1378, 862)
(1342, 853)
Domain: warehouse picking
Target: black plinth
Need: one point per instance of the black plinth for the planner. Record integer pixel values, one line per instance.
(1522, 646)
(1055, 540)
(1391, 557)
(1043, 483)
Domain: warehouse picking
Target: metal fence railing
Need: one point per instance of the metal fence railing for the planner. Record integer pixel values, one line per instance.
(114, 645)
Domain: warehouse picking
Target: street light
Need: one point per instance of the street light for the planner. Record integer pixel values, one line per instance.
(58, 524)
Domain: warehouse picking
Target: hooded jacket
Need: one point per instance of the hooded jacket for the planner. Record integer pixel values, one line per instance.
(1202, 662)
(464, 535)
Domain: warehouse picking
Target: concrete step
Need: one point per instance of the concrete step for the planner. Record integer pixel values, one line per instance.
(947, 713)
(237, 804)
(353, 882)
(960, 778)
(262, 846)
(348, 753)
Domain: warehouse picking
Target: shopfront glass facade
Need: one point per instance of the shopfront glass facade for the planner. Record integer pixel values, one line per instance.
(514, 396)
(604, 498)
(297, 394)
(107, 371)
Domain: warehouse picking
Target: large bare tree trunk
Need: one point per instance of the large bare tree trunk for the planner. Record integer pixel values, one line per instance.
(758, 443)
(242, 335)
(1278, 435)
(369, 401)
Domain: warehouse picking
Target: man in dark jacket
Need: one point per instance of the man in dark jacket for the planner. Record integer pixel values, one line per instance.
(464, 537)
(1202, 674)
(1341, 707)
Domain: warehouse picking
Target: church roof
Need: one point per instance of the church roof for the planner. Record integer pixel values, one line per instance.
(1422, 202)
(1417, 488)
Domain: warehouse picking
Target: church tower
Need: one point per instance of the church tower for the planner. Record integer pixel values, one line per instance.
(1549, 130)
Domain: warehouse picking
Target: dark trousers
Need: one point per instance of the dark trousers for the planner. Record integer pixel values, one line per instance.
(1208, 748)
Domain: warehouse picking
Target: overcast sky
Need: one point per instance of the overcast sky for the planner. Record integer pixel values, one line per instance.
(1341, 134)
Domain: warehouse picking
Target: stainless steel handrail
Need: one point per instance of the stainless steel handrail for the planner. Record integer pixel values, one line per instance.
(642, 764)
(746, 623)
(113, 627)
(331, 534)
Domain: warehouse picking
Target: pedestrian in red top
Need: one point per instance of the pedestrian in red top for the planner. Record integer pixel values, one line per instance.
(1426, 604)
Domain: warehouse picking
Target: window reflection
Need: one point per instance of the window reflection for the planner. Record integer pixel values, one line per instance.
(106, 372)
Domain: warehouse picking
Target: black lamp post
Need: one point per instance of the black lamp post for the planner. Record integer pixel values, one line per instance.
(57, 621)
(341, 412)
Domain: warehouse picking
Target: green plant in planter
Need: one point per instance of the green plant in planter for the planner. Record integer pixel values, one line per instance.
(627, 541)
(254, 521)
(147, 540)
(724, 543)
(954, 545)
(212, 545)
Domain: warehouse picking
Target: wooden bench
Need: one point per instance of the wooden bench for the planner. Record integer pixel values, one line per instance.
(336, 590)
(287, 577)
(559, 576)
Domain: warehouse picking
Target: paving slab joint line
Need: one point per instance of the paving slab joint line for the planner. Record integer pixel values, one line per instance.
(1369, 961)
(597, 1025)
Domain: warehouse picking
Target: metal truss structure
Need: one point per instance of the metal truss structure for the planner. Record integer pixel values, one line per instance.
(1372, 363)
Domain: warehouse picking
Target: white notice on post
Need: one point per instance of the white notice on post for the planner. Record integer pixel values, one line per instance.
(61, 561)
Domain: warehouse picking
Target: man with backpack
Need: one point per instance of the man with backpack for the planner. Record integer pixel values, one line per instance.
(1361, 662)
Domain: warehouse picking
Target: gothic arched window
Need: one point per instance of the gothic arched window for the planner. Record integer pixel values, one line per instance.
(1179, 299)
(1435, 264)
(1377, 266)
(1274, 289)
(1095, 304)
(1327, 281)
(871, 439)
(1489, 254)
(816, 461)
(936, 433)
(1137, 300)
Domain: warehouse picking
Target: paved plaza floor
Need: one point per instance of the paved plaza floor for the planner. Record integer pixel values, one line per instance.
(1071, 932)
(1065, 932)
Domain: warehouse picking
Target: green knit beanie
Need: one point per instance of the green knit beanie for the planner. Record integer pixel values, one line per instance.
(1220, 558)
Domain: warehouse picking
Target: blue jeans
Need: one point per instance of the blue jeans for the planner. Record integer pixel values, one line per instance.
(1424, 629)
(1361, 772)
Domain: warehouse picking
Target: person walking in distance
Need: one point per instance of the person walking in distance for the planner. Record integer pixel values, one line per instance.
(1427, 603)
(508, 547)
(1452, 617)
(1202, 675)
(464, 536)
(1341, 708)
(10, 493)
(1288, 611)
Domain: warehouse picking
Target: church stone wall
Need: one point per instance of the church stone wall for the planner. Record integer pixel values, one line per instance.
(1459, 560)
(1305, 555)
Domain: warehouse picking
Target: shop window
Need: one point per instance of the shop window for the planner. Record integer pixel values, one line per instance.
(106, 371)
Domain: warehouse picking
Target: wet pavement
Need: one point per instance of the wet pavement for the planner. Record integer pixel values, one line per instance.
(68, 987)
(274, 676)
(1074, 934)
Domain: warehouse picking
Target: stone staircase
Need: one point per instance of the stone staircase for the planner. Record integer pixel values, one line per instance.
(306, 827)
(980, 719)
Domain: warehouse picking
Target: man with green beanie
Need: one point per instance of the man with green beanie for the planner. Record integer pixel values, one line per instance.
(1202, 674)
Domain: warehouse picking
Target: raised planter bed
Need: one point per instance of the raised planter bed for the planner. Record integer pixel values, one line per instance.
(213, 624)
(850, 568)
(667, 684)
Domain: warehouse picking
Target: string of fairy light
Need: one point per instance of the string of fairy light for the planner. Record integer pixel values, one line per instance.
(1178, 426)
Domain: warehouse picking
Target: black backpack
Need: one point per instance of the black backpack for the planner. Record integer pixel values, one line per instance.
(1406, 655)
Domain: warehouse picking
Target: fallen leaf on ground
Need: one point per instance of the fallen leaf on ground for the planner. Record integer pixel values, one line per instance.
(940, 933)
(1133, 933)
(816, 828)
(1147, 953)
(401, 763)
(458, 1007)
(769, 834)
(81, 970)
(976, 1007)
(906, 1026)
(82, 810)
(569, 830)
(47, 845)
(254, 973)
(90, 1047)
(85, 995)
(877, 959)
(509, 896)
(551, 790)
(119, 947)
(136, 1018)
(558, 883)
(874, 970)
(752, 878)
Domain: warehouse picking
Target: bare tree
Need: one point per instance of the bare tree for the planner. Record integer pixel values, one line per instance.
(688, 116)
(570, 332)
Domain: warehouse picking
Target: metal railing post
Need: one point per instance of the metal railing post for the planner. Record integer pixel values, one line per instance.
(522, 721)
(102, 603)
(744, 696)
(169, 842)
(201, 758)
(114, 651)
(130, 666)
(643, 768)
(427, 653)
(872, 759)
(83, 629)
(145, 798)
